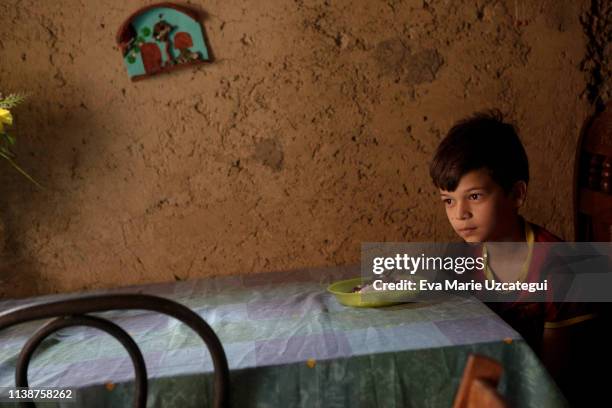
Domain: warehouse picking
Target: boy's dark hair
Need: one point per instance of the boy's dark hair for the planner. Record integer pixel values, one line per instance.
(482, 141)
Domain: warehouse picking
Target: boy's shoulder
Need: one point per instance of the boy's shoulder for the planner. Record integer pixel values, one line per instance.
(541, 234)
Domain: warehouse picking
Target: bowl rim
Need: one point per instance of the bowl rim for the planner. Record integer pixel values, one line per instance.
(330, 287)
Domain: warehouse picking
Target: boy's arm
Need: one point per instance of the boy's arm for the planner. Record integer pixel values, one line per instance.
(563, 340)
(556, 351)
(573, 355)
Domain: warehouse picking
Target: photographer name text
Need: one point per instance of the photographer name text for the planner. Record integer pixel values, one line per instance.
(454, 285)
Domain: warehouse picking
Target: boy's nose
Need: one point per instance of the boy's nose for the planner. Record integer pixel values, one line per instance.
(462, 211)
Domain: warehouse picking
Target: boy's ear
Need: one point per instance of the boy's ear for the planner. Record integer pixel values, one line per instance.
(519, 193)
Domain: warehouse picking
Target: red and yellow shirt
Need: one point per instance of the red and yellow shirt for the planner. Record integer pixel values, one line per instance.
(530, 318)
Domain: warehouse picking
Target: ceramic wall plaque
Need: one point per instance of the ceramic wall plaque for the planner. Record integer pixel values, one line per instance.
(160, 38)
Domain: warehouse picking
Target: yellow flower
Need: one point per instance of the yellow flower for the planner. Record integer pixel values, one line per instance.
(5, 118)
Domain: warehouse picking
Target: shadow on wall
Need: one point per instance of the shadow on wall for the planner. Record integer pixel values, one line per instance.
(31, 219)
(61, 147)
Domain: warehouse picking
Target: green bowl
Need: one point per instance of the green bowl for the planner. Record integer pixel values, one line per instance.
(343, 292)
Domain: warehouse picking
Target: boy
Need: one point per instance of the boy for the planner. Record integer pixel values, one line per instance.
(482, 172)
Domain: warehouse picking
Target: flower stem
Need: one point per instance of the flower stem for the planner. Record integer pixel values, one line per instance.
(20, 170)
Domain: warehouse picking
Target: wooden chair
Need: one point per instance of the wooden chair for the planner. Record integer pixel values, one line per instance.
(593, 180)
(74, 312)
(593, 223)
(478, 388)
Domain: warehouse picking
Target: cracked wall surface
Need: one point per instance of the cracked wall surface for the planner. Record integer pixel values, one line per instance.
(310, 133)
(597, 64)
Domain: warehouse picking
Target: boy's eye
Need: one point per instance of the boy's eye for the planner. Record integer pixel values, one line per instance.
(447, 201)
(475, 196)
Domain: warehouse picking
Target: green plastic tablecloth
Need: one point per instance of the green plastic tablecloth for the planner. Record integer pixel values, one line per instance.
(289, 344)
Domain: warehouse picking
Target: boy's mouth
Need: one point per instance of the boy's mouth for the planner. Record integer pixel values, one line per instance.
(467, 230)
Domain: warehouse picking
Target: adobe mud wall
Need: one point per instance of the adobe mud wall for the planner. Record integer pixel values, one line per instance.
(310, 133)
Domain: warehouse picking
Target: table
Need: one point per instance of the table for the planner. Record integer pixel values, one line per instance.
(289, 344)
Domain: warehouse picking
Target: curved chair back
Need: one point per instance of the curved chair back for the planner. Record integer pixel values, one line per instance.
(593, 180)
(73, 312)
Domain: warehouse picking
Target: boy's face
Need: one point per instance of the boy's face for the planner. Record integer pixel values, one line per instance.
(479, 210)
